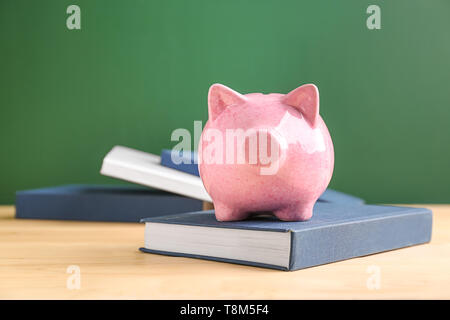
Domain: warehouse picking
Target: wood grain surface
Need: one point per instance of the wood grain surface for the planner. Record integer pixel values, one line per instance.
(35, 256)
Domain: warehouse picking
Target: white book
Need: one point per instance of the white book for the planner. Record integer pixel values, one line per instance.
(145, 169)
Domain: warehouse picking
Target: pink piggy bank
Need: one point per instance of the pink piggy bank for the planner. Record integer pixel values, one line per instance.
(265, 153)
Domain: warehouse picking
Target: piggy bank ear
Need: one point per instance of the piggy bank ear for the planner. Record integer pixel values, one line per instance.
(306, 100)
(221, 97)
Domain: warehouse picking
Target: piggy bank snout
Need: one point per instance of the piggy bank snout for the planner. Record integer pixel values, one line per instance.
(265, 150)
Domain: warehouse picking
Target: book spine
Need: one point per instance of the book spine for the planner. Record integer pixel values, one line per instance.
(101, 207)
(348, 240)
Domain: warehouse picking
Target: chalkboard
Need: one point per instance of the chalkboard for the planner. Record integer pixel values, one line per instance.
(137, 70)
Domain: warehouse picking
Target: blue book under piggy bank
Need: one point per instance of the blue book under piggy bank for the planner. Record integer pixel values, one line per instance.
(335, 232)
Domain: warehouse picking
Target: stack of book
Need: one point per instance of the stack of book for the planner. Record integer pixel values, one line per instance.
(163, 188)
(342, 226)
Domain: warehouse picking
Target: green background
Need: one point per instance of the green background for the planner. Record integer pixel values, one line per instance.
(137, 70)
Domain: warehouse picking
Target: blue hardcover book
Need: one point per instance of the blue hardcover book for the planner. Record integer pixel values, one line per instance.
(100, 203)
(333, 196)
(335, 232)
(186, 161)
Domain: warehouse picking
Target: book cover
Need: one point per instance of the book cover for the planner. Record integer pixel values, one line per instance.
(185, 161)
(100, 203)
(145, 169)
(335, 232)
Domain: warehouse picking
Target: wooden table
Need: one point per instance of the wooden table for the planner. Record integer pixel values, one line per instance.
(35, 256)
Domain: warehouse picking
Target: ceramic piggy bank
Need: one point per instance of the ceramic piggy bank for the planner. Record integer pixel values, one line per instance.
(265, 153)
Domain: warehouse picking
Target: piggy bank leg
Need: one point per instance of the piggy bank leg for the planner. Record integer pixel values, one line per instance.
(295, 212)
(225, 213)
